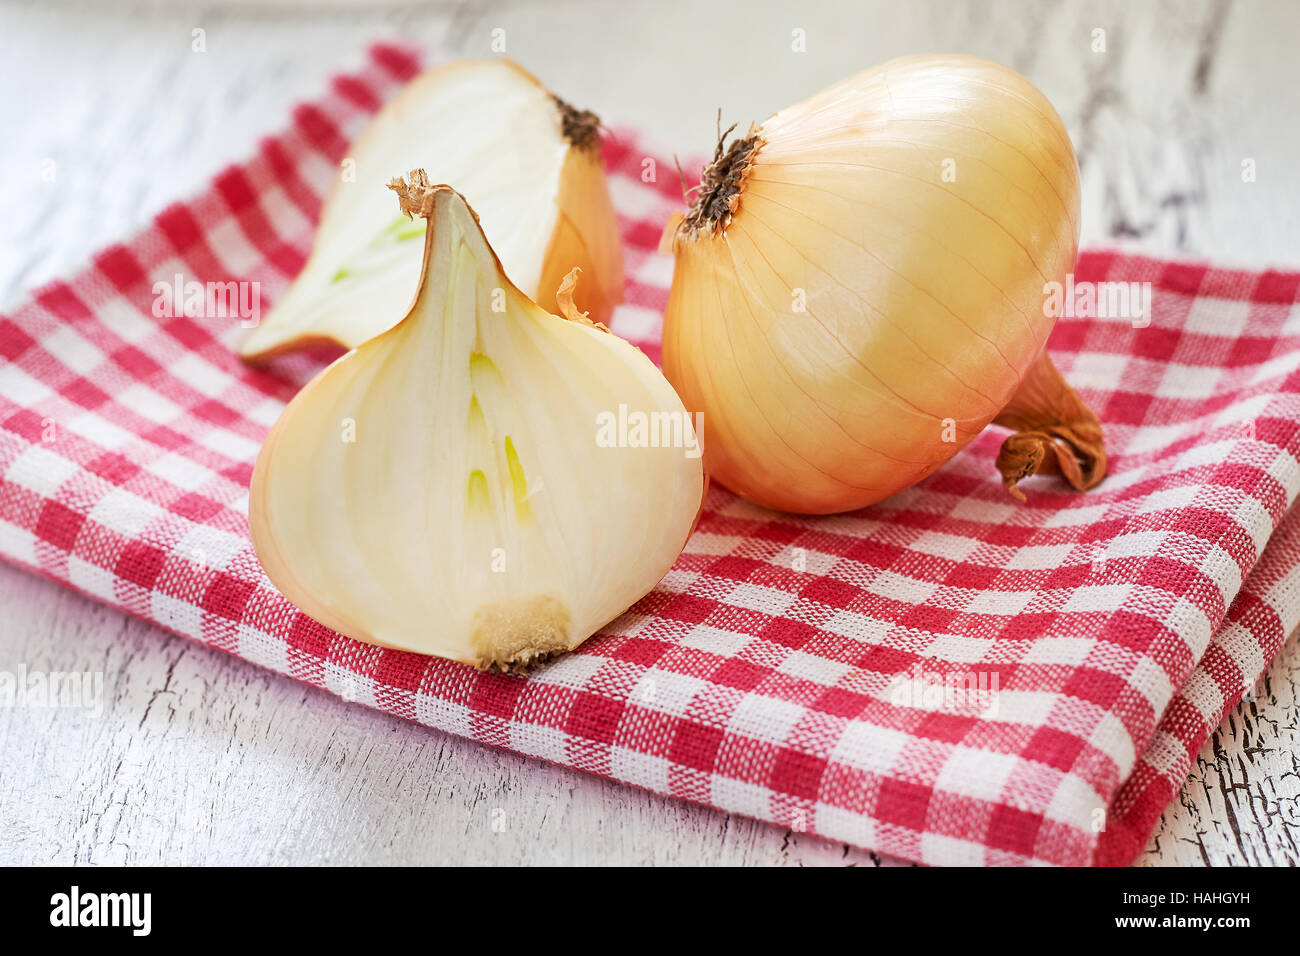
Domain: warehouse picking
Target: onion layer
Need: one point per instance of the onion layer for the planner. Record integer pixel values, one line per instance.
(859, 288)
(529, 163)
(458, 485)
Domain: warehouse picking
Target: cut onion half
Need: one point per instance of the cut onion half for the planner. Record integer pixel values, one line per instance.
(529, 163)
(485, 481)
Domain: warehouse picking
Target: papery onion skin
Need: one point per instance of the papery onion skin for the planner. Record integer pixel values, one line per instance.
(585, 238)
(584, 235)
(914, 212)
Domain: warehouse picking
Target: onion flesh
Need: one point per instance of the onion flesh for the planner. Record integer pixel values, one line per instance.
(528, 162)
(443, 487)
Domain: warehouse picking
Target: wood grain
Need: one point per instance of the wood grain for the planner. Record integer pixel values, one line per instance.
(201, 758)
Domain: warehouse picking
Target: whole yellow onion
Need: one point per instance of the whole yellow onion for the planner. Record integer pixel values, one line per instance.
(859, 288)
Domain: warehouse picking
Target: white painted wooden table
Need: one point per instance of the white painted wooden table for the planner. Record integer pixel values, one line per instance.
(201, 758)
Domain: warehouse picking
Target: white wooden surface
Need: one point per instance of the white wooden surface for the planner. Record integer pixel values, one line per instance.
(200, 758)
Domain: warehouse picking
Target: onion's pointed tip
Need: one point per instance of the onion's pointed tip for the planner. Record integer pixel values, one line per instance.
(582, 128)
(415, 194)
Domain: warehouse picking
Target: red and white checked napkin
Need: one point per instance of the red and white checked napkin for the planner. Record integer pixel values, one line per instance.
(787, 668)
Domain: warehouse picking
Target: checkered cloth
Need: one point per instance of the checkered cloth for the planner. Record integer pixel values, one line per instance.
(948, 676)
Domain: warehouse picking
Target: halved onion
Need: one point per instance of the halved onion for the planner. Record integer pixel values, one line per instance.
(454, 486)
(528, 162)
